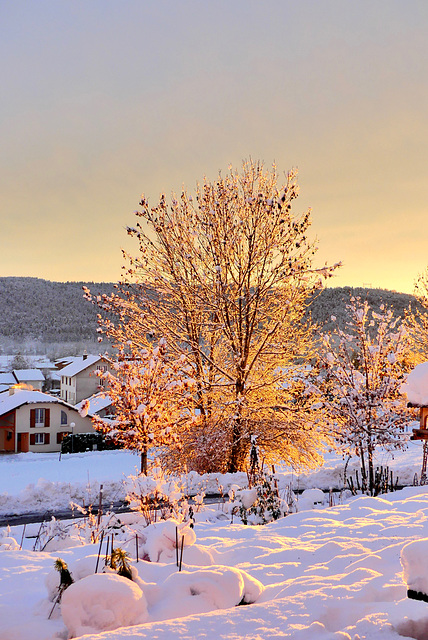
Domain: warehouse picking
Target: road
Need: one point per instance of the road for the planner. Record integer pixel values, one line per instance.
(69, 514)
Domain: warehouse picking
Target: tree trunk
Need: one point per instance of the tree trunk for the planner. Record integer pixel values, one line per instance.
(363, 468)
(238, 449)
(143, 469)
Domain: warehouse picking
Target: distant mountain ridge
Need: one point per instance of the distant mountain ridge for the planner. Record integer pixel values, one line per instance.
(38, 316)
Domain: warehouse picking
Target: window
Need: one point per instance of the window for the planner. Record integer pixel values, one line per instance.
(64, 419)
(39, 418)
(40, 438)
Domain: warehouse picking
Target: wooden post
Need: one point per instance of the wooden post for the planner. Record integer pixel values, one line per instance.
(100, 505)
(22, 539)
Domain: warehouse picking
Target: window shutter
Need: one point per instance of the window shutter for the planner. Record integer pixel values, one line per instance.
(47, 437)
(59, 437)
(32, 419)
(32, 438)
(47, 417)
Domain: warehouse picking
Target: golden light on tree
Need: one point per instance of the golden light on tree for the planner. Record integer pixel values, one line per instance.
(225, 277)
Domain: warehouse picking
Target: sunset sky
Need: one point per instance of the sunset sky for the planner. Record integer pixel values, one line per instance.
(102, 100)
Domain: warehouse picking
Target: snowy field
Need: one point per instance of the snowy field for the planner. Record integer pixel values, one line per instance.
(319, 574)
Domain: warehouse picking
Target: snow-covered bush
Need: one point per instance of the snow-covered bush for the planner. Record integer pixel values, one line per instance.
(159, 541)
(160, 496)
(260, 504)
(53, 535)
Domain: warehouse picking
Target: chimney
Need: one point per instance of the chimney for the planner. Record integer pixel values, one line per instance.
(85, 354)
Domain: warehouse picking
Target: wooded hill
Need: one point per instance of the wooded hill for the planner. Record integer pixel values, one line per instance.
(333, 302)
(40, 316)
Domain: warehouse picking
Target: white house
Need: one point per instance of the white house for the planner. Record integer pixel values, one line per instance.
(79, 380)
(36, 421)
(31, 377)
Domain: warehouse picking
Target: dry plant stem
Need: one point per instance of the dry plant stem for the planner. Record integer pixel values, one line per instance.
(107, 546)
(99, 551)
(181, 552)
(22, 538)
(176, 544)
(136, 545)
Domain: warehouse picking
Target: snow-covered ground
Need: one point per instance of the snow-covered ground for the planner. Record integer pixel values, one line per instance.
(38, 482)
(318, 574)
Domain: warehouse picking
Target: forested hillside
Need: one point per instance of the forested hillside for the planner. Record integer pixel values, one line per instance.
(40, 316)
(333, 301)
(36, 314)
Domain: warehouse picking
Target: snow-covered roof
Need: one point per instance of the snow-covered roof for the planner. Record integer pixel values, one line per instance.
(7, 378)
(26, 375)
(97, 402)
(23, 396)
(416, 386)
(80, 364)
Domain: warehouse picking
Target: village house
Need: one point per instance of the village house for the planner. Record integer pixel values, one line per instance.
(79, 380)
(31, 377)
(35, 421)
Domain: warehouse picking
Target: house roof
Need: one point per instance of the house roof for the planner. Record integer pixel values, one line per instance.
(80, 364)
(97, 402)
(28, 375)
(7, 378)
(23, 396)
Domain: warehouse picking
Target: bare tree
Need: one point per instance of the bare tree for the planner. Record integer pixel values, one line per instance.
(151, 398)
(363, 373)
(225, 276)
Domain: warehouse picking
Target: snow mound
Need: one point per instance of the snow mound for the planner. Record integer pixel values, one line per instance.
(102, 602)
(310, 498)
(202, 590)
(414, 560)
(416, 385)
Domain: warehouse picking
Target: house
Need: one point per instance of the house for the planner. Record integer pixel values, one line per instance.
(36, 421)
(30, 377)
(7, 380)
(79, 380)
